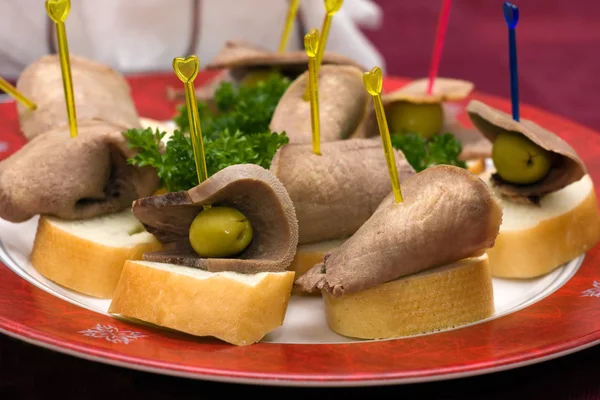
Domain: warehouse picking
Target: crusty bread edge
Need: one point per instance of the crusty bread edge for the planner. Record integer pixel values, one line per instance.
(536, 251)
(448, 297)
(218, 306)
(79, 264)
(307, 257)
(476, 166)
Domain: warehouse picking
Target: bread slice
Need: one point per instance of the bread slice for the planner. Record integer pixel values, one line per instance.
(476, 167)
(237, 308)
(441, 298)
(87, 256)
(307, 255)
(534, 240)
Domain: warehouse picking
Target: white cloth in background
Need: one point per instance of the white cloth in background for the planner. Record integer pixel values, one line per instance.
(145, 35)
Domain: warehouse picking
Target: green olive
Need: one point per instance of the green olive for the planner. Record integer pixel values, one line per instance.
(220, 232)
(424, 119)
(518, 160)
(254, 77)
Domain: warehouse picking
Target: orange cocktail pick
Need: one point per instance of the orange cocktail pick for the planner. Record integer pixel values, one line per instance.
(58, 11)
(373, 81)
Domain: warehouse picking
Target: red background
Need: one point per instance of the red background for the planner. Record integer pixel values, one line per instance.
(558, 45)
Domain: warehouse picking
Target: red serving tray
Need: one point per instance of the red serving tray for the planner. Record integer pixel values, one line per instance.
(566, 321)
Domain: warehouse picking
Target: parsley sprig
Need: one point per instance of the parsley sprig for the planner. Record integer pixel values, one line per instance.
(422, 153)
(237, 133)
(175, 165)
(248, 109)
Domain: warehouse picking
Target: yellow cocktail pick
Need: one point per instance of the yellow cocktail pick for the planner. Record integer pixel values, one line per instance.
(373, 81)
(58, 10)
(289, 22)
(186, 70)
(311, 44)
(14, 93)
(331, 8)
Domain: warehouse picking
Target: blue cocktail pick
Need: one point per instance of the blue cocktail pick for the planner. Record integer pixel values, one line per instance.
(511, 16)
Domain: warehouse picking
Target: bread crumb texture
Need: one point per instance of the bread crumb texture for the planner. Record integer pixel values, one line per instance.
(237, 308)
(88, 256)
(535, 240)
(442, 298)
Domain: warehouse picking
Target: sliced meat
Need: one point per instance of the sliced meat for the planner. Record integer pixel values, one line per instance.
(239, 54)
(249, 188)
(344, 105)
(335, 193)
(240, 58)
(447, 214)
(72, 178)
(100, 93)
(444, 89)
(566, 167)
(474, 144)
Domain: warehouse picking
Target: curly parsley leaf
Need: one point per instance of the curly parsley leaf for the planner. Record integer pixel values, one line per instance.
(175, 163)
(422, 153)
(414, 147)
(237, 132)
(445, 149)
(247, 108)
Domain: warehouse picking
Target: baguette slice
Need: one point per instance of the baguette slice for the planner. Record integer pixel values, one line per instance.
(237, 308)
(476, 166)
(88, 256)
(535, 240)
(441, 298)
(309, 255)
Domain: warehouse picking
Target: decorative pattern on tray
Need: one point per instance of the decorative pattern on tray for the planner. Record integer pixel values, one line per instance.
(112, 334)
(592, 292)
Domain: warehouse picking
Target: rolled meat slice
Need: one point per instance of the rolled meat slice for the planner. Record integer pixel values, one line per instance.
(250, 189)
(239, 58)
(566, 167)
(448, 214)
(73, 178)
(344, 107)
(337, 192)
(474, 144)
(239, 55)
(444, 89)
(101, 94)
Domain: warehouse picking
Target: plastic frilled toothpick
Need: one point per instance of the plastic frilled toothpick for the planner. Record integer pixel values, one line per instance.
(373, 81)
(311, 44)
(289, 22)
(58, 11)
(186, 70)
